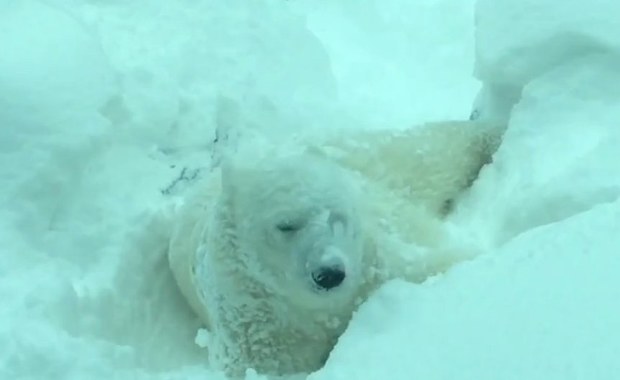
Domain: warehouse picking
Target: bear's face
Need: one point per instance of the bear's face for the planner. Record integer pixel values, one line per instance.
(297, 227)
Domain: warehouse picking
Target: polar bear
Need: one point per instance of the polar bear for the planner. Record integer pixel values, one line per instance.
(279, 245)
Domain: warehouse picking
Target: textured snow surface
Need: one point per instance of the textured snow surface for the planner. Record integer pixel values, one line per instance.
(108, 109)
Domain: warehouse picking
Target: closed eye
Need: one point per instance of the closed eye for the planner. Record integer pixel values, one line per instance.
(289, 227)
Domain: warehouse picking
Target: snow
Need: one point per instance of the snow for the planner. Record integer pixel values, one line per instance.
(386, 53)
(516, 41)
(108, 111)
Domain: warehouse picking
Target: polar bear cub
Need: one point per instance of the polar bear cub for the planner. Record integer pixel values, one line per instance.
(278, 247)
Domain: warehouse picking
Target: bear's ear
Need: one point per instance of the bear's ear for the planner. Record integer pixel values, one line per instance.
(227, 130)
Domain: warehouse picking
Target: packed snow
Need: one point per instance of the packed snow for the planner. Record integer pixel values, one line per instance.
(108, 111)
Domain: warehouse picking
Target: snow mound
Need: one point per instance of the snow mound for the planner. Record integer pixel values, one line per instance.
(52, 69)
(559, 155)
(175, 60)
(54, 77)
(399, 63)
(517, 41)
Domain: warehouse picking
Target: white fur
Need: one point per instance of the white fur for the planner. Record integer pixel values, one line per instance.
(249, 238)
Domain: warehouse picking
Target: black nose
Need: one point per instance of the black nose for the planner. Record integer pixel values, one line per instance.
(328, 278)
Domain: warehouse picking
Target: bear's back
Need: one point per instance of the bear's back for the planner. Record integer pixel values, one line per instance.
(429, 164)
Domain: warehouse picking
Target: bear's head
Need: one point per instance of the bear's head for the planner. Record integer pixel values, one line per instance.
(296, 225)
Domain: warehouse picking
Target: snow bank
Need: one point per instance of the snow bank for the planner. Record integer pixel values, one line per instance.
(175, 60)
(559, 156)
(549, 69)
(399, 63)
(519, 40)
(516, 41)
(53, 78)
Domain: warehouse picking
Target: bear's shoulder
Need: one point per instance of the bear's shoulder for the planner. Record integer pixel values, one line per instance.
(185, 250)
